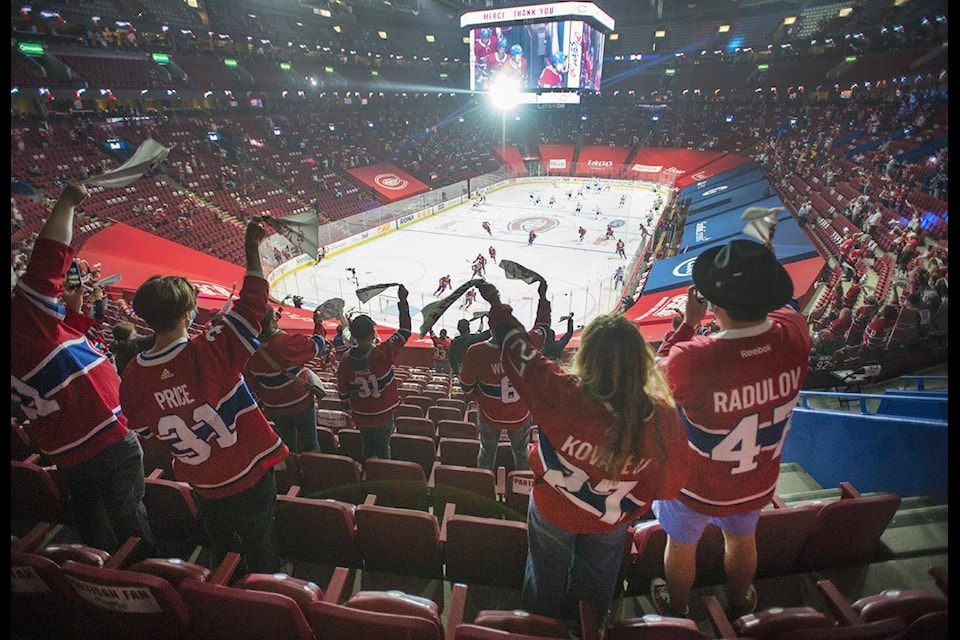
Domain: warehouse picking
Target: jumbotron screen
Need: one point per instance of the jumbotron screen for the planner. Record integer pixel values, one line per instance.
(555, 47)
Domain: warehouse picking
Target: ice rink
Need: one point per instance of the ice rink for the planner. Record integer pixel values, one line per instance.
(579, 275)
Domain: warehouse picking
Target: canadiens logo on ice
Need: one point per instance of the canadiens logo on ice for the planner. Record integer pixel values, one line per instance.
(391, 181)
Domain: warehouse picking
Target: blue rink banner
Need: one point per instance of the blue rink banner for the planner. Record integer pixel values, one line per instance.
(743, 196)
(789, 243)
(696, 194)
(734, 208)
(725, 224)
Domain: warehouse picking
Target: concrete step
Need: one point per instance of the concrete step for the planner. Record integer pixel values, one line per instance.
(916, 531)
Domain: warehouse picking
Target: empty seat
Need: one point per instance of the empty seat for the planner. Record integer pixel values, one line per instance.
(485, 551)
(34, 495)
(377, 614)
(457, 429)
(397, 483)
(461, 452)
(419, 449)
(317, 531)
(437, 413)
(424, 402)
(401, 541)
(517, 491)
(222, 612)
(325, 475)
(406, 410)
(473, 490)
(413, 426)
(113, 603)
(173, 513)
(351, 443)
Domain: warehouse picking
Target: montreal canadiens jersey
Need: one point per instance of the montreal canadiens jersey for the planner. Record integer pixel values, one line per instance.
(67, 388)
(735, 391)
(280, 395)
(193, 397)
(484, 379)
(366, 382)
(574, 488)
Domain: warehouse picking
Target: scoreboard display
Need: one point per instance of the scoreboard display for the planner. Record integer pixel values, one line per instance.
(544, 50)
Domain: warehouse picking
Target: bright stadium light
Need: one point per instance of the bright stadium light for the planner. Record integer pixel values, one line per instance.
(505, 93)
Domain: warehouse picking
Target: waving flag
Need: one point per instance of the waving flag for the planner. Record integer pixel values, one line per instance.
(147, 156)
(301, 229)
(517, 271)
(364, 294)
(432, 312)
(332, 309)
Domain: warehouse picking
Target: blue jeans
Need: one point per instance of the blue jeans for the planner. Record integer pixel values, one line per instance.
(244, 523)
(375, 440)
(490, 438)
(565, 567)
(106, 497)
(299, 430)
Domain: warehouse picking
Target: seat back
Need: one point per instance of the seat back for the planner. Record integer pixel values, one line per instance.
(413, 426)
(462, 452)
(457, 429)
(173, 513)
(473, 490)
(781, 534)
(397, 483)
(654, 627)
(419, 449)
(424, 402)
(287, 472)
(522, 622)
(42, 602)
(351, 444)
(847, 531)
(114, 603)
(436, 413)
(173, 570)
(485, 551)
(457, 403)
(768, 624)
(219, 612)
(303, 592)
(339, 622)
(34, 495)
(399, 541)
(906, 604)
(317, 531)
(408, 410)
(328, 475)
(327, 439)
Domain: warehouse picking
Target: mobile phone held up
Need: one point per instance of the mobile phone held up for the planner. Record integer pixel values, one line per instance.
(73, 276)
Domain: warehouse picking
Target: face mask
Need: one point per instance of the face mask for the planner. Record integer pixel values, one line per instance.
(193, 316)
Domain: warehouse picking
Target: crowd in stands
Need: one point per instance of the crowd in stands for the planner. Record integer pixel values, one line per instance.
(865, 174)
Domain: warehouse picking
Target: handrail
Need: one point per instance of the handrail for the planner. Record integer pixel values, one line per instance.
(862, 398)
(919, 379)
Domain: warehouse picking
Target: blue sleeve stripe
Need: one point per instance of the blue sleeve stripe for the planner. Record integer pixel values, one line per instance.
(243, 329)
(66, 362)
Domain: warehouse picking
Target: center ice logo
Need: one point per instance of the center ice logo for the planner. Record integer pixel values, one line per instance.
(534, 223)
(391, 181)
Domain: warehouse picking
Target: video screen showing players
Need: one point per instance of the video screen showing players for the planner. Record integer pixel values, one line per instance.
(557, 55)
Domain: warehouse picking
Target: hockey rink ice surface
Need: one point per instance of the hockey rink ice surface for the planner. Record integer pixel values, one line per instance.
(580, 276)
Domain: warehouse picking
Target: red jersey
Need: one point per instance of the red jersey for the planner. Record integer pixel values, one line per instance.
(550, 78)
(484, 50)
(495, 62)
(571, 461)
(67, 388)
(279, 394)
(482, 377)
(735, 391)
(366, 382)
(440, 348)
(878, 331)
(192, 396)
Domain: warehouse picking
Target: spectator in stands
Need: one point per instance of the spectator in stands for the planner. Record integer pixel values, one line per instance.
(189, 392)
(500, 409)
(764, 350)
(365, 379)
(441, 351)
(615, 406)
(553, 347)
(279, 377)
(463, 341)
(862, 316)
(70, 393)
(127, 343)
(878, 331)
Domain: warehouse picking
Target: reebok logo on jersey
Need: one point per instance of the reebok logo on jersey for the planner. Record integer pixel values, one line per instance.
(756, 351)
(165, 375)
